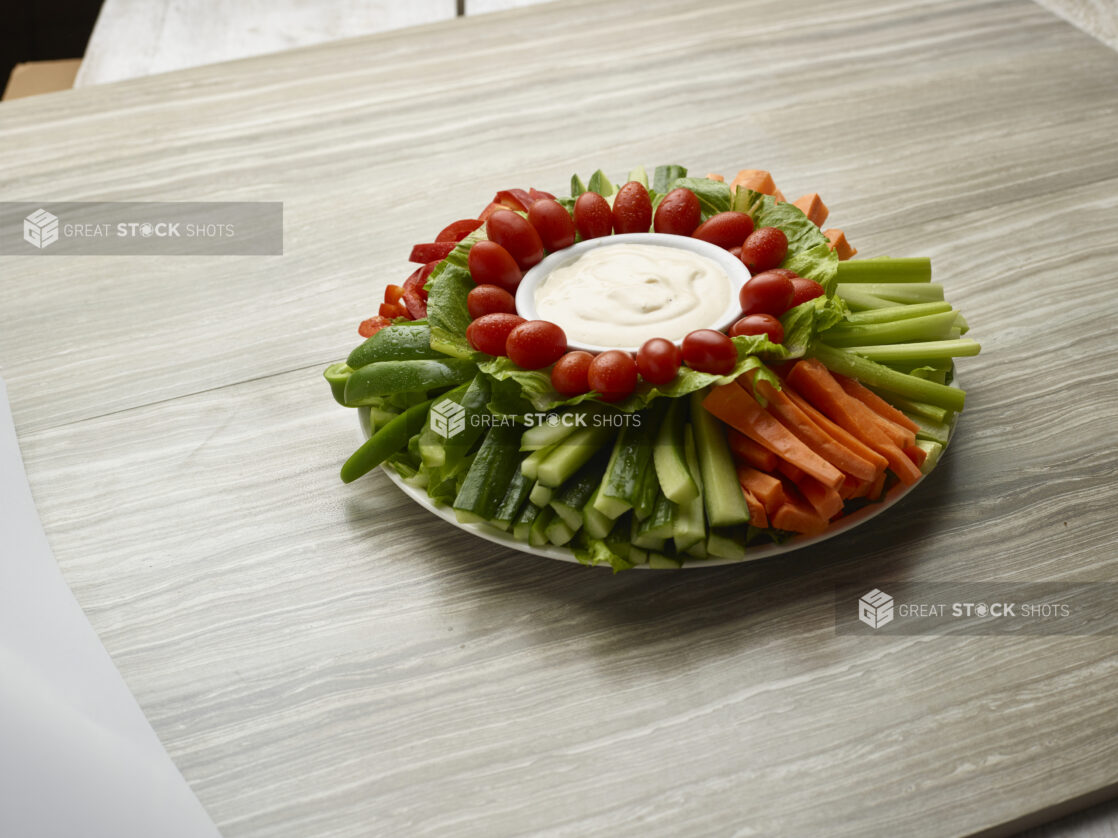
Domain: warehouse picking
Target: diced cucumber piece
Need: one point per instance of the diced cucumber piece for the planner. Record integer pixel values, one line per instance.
(432, 445)
(722, 494)
(569, 500)
(726, 543)
(631, 455)
(475, 401)
(648, 542)
(661, 523)
(617, 539)
(524, 521)
(690, 521)
(640, 176)
(545, 434)
(530, 465)
(515, 497)
(668, 456)
(558, 532)
(489, 475)
(596, 524)
(658, 561)
(568, 456)
(933, 449)
(647, 491)
(540, 494)
(537, 535)
(699, 549)
(638, 555)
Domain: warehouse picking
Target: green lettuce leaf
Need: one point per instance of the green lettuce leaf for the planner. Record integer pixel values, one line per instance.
(594, 551)
(537, 394)
(663, 176)
(447, 288)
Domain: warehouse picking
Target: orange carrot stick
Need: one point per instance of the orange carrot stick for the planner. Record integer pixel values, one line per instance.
(757, 515)
(750, 452)
(738, 409)
(816, 383)
(798, 422)
(823, 500)
(837, 431)
(718, 178)
(874, 402)
(797, 515)
(766, 488)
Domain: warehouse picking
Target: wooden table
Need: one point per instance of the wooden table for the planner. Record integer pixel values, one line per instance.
(322, 659)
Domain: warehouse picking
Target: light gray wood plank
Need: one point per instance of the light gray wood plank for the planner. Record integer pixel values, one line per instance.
(1095, 17)
(136, 38)
(339, 135)
(322, 659)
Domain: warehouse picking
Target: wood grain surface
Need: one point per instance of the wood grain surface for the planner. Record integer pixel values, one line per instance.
(331, 660)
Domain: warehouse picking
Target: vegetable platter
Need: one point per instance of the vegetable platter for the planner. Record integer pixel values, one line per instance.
(734, 384)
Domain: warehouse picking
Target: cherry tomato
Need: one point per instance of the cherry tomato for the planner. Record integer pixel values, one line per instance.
(632, 209)
(535, 344)
(658, 360)
(706, 350)
(764, 249)
(727, 229)
(736, 252)
(458, 230)
(593, 217)
(613, 374)
(804, 289)
(489, 332)
(517, 236)
(568, 376)
(766, 293)
(489, 299)
(759, 324)
(491, 264)
(788, 272)
(679, 213)
(553, 223)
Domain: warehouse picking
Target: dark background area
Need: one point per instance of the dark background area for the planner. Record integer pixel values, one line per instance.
(39, 30)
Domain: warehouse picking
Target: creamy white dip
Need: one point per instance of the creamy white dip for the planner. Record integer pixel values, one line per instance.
(624, 294)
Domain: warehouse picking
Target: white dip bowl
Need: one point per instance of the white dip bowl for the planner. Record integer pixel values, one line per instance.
(737, 273)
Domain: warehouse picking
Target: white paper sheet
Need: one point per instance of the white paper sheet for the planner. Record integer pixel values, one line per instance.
(77, 757)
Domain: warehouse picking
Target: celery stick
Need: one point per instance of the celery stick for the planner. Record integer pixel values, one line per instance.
(859, 300)
(897, 292)
(925, 350)
(961, 322)
(873, 374)
(929, 327)
(953, 333)
(898, 312)
(886, 270)
(928, 411)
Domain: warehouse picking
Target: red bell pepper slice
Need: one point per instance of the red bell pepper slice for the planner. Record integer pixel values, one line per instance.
(370, 327)
(536, 194)
(415, 304)
(458, 230)
(432, 252)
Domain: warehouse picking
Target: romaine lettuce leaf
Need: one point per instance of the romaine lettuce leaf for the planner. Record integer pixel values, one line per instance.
(713, 195)
(447, 288)
(536, 390)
